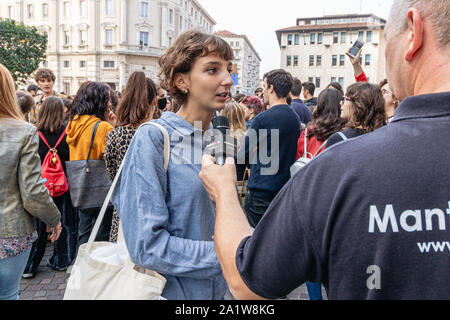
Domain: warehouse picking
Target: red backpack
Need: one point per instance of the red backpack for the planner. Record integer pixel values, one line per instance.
(52, 171)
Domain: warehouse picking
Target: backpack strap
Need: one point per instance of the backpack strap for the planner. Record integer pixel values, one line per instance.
(343, 136)
(43, 139)
(60, 139)
(321, 147)
(305, 150)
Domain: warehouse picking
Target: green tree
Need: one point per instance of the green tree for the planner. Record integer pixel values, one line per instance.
(22, 49)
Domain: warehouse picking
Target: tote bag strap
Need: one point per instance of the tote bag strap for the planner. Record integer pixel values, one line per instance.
(113, 186)
(94, 131)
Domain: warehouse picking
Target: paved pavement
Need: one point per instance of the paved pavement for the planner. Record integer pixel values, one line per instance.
(51, 285)
(48, 283)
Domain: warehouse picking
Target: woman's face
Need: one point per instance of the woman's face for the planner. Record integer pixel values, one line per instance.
(209, 83)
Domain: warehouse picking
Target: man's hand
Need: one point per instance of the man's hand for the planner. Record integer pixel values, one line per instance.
(215, 178)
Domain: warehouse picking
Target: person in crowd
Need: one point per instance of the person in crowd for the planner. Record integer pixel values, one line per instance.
(45, 78)
(26, 103)
(297, 104)
(239, 97)
(259, 92)
(136, 107)
(235, 114)
(33, 90)
(112, 115)
(363, 109)
(169, 107)
(252, 107)
(52, 126)
(23, 194)
(90, 106)
(310, 101)
(326, 122)
(370, 208)
(168, 217)
(67, 106)
(268, 178)
(391, 101)
(337, 86)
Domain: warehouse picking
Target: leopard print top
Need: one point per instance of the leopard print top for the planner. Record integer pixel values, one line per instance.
(116, 147)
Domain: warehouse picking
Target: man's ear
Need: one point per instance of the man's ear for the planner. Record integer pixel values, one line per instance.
(415, 34)
(182, 82)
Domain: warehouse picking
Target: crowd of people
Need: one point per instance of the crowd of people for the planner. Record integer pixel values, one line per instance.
(186, 222)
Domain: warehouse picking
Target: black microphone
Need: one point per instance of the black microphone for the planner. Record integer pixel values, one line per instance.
(221, 124)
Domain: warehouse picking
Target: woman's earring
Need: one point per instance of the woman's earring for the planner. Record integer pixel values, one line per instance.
(185, 91)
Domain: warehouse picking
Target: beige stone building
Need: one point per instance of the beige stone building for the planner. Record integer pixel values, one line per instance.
(314, 49)
(106, 40)
(247, 62)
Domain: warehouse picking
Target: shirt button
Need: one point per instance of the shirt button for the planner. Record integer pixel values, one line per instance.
(212, 237)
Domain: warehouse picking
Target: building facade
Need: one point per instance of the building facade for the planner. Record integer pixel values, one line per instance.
(246, 62)
(106, 40)
(314, 50)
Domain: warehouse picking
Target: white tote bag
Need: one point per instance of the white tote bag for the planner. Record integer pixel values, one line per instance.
(104, 271)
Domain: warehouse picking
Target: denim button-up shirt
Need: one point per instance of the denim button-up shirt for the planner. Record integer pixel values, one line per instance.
(167, 217)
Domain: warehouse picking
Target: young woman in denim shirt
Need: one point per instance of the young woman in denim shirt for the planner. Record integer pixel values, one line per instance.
(168, 217)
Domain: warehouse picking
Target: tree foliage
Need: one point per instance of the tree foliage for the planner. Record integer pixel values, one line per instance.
(22, 49)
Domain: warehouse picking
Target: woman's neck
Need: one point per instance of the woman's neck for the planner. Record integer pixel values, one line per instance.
(194, 114)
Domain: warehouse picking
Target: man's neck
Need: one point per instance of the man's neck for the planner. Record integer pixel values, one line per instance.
(309, 97)
(433, 80)
(296, 98)
(275, 101)
(46, 95)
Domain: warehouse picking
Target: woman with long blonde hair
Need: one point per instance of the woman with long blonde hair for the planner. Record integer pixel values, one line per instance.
(235, 114)
(24, 195)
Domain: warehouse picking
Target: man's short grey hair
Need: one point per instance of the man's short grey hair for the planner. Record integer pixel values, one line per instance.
(438, 11)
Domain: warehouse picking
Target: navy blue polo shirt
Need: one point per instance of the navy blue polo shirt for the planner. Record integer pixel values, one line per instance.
(302, 111)
(270, 163)
(369, 217)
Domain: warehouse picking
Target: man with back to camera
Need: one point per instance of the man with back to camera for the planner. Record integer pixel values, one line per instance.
(374, 217)
(268, 177)
(308, 93)
(297, 104)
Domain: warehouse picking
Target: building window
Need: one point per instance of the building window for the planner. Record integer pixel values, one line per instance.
(30, 11)
(44, 10)
(144, 9)
(310, 79)
(343, 36)
(312, 38)
(361, 36)
(319, 38)
(341, 81)
(289, 39)
(108, 64)
(170, 41)
(319, 61)
(171, 16)
(367, 60)
(10, 12)
(66, 64)
(66, 37)
(66, 9)
(333, 79)
(311, 61)
(83, 8)
(334, 61)
(82, 34)
(295, 61)
(143, 39)
(288, 61)
(342, 60)
(108, 7)
(297, 39)
(335, 37)
(317, 82)
(82, 64)
(181, 23)
(66, 87)
(369, 37)
(109, 37)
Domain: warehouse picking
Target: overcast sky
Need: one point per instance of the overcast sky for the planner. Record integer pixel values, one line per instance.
(259, 20)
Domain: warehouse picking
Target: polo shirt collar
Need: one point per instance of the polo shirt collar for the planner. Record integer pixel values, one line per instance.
(424, 106)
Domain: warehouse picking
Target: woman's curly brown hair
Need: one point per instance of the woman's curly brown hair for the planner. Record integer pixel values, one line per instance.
(182, 55)
(367, 108)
